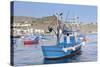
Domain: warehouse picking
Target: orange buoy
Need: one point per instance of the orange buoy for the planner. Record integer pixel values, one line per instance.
(83, 39)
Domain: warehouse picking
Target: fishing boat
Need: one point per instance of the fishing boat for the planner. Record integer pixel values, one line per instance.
(71, 45)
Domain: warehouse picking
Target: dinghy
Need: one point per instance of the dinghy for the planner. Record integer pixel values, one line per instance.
(31, 40)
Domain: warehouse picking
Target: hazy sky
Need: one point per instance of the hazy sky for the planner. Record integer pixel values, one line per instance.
(85, 13)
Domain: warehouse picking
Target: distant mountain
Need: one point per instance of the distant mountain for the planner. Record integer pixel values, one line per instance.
(18, 19)
(44, 22)
(21, 19)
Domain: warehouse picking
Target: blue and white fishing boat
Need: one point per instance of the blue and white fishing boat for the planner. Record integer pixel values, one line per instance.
(71, 45)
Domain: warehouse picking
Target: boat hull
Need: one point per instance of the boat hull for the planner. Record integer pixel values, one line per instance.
(56, 52)
(29, 42)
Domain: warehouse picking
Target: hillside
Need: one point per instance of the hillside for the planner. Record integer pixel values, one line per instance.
(44, 22)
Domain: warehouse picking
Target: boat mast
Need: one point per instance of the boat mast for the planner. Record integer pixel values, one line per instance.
(57, 33)
(58, 28)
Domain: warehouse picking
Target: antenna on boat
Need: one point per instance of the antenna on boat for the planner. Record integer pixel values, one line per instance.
(66, 18)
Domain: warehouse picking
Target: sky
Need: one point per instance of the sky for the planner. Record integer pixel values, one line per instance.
(36, 9)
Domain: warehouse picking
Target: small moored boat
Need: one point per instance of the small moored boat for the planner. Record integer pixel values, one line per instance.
(31, 40)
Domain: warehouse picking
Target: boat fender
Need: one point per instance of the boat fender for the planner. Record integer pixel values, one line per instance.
(73, 48)
(64, 49)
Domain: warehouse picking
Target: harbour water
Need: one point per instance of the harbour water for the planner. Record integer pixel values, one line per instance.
(32, 55)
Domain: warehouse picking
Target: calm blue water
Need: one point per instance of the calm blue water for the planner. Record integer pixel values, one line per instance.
(32, 55)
